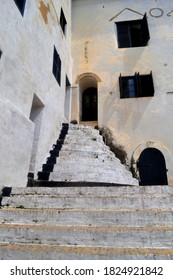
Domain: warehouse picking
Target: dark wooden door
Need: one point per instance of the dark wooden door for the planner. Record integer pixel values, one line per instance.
(89, 105)
(152, 168)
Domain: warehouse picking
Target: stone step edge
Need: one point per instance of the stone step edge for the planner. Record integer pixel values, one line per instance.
(86, 228)
(42, 183)
(80, 184)
(86, 250)
(115, 211)
(97, 196)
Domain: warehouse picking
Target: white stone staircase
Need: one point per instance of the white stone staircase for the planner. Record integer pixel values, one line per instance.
(85, 157)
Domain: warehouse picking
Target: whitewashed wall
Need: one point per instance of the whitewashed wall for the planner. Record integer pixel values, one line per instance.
(139, 122)
(27, 45)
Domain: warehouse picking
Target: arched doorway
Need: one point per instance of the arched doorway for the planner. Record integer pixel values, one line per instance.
(89, 104)
(152, 167)
(85, 98)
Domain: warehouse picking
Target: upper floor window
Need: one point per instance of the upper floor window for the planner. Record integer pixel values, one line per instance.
(56, 66)
(21, 5)
(136, 86)
(63, 21)
(133, 33)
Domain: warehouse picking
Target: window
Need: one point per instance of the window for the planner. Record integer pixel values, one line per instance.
(57, 66)
(63, 21)
(136, 86)
(133, 33)
(21, 5)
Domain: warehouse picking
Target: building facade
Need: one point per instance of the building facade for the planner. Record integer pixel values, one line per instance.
(35, 78)
(122, 52)
(112, 65)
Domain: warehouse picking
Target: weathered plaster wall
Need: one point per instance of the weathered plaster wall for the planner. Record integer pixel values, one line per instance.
(27, 45)
(94, 49)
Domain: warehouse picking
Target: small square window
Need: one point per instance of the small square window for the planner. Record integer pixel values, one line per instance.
(57, 66)
(21, 5)
(136, 86)
(133, 33)
(63, 21)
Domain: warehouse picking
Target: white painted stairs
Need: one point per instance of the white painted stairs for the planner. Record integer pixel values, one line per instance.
(84, 157)
(113, 222)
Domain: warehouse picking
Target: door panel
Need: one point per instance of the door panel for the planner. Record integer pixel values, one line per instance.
(152, 168)
(89, 105)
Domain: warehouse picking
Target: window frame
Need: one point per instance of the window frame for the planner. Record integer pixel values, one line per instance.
(21, 6)
(56, 68)
(134, 33)
(143, 86)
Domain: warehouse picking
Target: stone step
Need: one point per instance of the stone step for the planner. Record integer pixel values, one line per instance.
(70, 155)
(136, 202)
(97, 153)
(84, 130)
(119, 176)
(142, 218)
(65, 252)
(83, 135)
(85, 148)
(97, 161)
(126, 237)
(80, 139)
(93, 168)
(73, 190)
(83, 127)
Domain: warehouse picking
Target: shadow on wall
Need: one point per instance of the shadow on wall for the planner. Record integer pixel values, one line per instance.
(126, 112)
(110, 103)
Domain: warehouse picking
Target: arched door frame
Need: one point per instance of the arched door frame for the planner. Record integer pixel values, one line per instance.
(87, 75)
(166, 153)
(84, 81)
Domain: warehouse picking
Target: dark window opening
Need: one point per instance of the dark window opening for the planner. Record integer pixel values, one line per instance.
(136, 86)
(0, 54)
(63, 21)
(21, 5)
(133, 33)
(57, 66)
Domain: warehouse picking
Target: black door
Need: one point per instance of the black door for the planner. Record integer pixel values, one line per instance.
(152, 168)
(89, 105)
